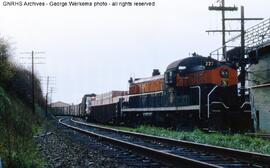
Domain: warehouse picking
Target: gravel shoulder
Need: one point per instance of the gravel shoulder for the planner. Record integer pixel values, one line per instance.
(62, 147)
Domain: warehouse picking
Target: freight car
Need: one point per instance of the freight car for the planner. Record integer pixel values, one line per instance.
(106, 107)
(193, 92)
(71, 110)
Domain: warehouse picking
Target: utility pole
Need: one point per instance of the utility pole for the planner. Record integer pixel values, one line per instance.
(242, 57)
(242, 60)
(49, 80)
(223, 29)
(33, 85)
(33, 76)
(47, 90)
(51, 93)
(223, 9)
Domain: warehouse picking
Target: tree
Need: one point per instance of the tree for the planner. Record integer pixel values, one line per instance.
(5, 66)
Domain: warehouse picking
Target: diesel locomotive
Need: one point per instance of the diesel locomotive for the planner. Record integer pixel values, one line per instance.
(193, 92)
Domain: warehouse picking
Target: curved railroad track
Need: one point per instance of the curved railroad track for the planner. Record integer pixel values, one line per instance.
(175, 152)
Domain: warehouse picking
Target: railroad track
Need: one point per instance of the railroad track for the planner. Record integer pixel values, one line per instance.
(177, 153)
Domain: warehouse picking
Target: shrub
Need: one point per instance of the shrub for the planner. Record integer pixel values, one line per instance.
(5, 66)
(17, 123)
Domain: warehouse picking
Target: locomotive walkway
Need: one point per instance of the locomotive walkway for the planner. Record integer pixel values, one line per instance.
(177, 153)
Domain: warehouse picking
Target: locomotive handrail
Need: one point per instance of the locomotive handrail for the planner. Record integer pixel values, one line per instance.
(222, 103)
(199, 88)
(208, 101)
(142, 94)
(245, 104)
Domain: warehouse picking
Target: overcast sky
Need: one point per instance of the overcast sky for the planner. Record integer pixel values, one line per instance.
(98, 49)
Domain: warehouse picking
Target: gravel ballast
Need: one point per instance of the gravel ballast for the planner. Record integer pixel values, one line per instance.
(62, 147)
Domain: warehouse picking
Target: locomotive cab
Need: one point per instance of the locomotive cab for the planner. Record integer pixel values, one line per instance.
(170, 77)
(205, 88)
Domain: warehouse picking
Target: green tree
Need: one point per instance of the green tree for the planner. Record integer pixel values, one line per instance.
(5, 66)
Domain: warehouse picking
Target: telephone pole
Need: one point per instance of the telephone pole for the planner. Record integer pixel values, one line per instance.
(48, 83)
(51, 93)
(47, 90)
(33, 76)
(242, 60)
(223, 9)
(33, 85)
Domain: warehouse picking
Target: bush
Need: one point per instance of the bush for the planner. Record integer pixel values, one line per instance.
(5, 66)
(21, 85)
(16, 79)
(17, 123)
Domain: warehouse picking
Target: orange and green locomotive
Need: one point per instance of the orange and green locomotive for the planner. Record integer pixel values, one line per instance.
(193, 92)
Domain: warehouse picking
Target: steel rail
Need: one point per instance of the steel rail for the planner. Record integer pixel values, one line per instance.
(160, 155)
(238, 154)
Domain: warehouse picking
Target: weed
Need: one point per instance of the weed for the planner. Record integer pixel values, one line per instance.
(235, 141)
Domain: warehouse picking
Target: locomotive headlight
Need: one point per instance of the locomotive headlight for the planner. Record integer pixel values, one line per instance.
(224, 73)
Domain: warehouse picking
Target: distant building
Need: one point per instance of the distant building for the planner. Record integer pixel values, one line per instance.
(60, 108)
(59, 104)
(259, 77)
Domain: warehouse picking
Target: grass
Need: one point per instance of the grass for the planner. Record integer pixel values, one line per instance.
(235, 141)
(18, 125)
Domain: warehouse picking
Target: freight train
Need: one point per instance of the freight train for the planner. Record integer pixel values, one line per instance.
(193, 92)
